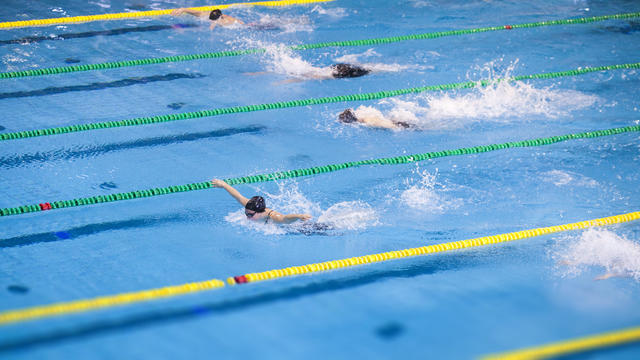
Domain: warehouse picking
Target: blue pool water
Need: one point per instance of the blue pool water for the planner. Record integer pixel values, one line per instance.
(459, 305)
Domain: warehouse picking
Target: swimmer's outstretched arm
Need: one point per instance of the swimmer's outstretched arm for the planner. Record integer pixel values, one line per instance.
(610, 275)
(196, 13)
(230, 20)
(288, 219)
(233, 192)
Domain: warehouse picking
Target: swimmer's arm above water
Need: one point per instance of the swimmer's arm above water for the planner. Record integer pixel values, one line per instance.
(202, 14)
(233, 192)
(225, 20)
(289, 218)
(611, 275)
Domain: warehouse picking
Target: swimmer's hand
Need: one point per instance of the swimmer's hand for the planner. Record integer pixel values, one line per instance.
(218, 183)
(304, 217)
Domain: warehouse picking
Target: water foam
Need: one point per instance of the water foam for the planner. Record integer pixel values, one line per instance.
(501, 102)
(280, 59)
(426, 194)
(562, 178)
(601, 248)
(334, 12)
(286, 24)
(349, 215)
(375, 66)
(346, 215)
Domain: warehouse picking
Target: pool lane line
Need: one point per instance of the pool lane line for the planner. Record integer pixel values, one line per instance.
(425, 250)
(363, 42)
(63, 308)
(88, 34)
(573, 346)
(299, 103)
(404, 159)
(71, 307)
(138, 14)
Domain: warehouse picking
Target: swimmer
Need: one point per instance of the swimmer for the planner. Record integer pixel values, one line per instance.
(340, 71)
(335, 71)
(216, 17)
(371, 117)
(605, 276)
(611, 275)
(255, 208)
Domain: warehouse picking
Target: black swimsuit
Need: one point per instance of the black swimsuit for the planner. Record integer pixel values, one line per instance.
(268, 217)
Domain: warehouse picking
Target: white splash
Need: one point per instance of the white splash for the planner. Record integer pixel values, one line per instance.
(602, 248)
(500, 101)
(290, 199)
(280, 59)
(334, 12)
(425, 195)
(285, 24)
(374, 66)
(347, 215)
(562, 178)
(354, 58)
(350, 215)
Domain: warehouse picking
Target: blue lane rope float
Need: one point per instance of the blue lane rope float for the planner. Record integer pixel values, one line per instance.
(299, 103)
(405, 159)
(362, 42)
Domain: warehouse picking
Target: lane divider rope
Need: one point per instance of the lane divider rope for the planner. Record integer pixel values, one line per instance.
(36, 312)
(363, 42)
(405, 159)
(299, 103)
(573, 346)
(138, 14)
(424, 250)
(21, 315)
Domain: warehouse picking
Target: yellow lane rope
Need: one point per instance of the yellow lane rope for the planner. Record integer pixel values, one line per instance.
(21, 315)
(359, 260)
(578, 345)
(106, 301)
(137, 14)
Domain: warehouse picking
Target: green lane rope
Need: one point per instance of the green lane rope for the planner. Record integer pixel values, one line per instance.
(313, 171)
(297, 103)
(364, 42)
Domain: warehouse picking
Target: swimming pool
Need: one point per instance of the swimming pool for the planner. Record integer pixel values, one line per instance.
(461, 304)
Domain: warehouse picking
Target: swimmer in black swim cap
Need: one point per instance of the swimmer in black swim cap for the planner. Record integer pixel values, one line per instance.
(216, 16)
(347, 117)
(336, 71)
(255, 208)
(371, 117)
(340, 71)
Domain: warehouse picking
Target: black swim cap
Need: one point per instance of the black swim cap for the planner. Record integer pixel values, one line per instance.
(348, 71)
(347, 117)
(256, 204)
(215, 14)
